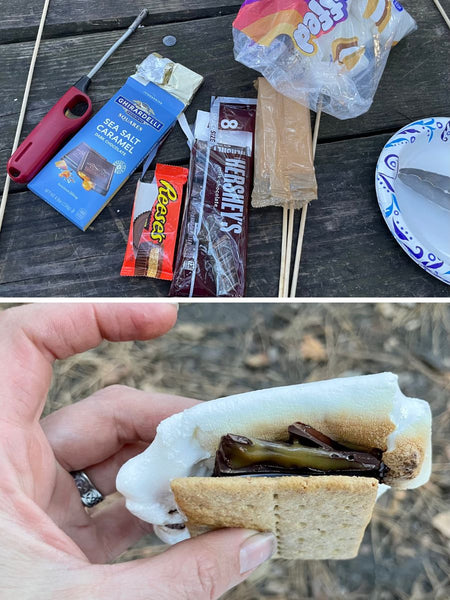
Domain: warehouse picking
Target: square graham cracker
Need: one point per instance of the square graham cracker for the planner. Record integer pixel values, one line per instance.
(318, 518)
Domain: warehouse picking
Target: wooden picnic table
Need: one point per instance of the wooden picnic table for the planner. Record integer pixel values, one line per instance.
(348, 250)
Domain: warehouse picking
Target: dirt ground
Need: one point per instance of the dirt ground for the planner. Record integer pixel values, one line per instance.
(222, 349)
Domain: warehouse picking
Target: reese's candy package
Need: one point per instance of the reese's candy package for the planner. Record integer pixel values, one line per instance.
(154, 224)
(212, 255)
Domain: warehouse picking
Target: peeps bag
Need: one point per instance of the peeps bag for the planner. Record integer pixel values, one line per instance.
(326, 52)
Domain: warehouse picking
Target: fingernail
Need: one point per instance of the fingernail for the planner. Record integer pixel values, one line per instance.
(256, 550)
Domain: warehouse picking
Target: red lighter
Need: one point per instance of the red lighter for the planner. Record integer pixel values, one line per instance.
(68, 115)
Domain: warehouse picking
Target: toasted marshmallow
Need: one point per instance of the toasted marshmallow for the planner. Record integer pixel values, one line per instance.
(369, 411)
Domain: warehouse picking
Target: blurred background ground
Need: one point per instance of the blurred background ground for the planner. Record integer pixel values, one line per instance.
(221, 349)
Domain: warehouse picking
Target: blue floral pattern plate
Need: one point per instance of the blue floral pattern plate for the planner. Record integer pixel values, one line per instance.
(420, 226)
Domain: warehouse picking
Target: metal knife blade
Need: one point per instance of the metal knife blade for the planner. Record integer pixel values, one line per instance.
(433, 186)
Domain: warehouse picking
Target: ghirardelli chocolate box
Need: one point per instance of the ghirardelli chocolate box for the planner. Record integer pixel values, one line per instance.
(90, 169)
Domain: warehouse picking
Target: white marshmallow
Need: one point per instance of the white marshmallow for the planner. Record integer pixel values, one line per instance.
(186, 442)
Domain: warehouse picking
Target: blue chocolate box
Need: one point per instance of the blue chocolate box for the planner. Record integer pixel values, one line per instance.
(83, 177)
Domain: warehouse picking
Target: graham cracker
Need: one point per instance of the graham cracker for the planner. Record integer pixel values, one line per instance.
(316, 518)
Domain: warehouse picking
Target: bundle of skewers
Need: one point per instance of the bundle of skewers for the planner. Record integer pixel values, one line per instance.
(284, 171)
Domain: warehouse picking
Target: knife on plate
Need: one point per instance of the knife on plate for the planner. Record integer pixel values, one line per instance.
(433, 186)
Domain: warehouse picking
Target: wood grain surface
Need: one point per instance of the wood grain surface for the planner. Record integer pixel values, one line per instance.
(20, 19)
(348, 250)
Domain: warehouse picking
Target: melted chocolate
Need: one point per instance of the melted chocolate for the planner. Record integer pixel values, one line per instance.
(308, 452)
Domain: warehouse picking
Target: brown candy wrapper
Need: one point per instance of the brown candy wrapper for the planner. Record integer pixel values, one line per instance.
(212, 254)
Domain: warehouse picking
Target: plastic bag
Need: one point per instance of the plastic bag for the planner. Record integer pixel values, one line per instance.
(324, 52)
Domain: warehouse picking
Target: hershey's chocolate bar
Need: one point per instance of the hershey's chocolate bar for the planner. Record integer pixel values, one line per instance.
(212, 253)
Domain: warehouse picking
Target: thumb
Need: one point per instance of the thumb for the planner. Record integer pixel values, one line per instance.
(201, 568)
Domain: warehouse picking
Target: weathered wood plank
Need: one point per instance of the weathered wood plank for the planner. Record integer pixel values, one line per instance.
(20, 19)
(348, 249)
(413, 85)
(62, 62)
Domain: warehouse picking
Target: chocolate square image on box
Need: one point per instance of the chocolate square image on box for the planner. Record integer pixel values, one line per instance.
(96, 172)
(75, 157)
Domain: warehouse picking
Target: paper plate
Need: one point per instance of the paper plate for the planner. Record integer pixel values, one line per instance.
(421, 227)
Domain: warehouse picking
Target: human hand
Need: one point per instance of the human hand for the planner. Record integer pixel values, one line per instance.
(51, 545)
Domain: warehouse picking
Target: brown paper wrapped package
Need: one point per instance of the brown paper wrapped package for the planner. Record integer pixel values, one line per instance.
(284, 164)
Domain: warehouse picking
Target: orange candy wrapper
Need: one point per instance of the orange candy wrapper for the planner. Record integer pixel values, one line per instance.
(154, 224)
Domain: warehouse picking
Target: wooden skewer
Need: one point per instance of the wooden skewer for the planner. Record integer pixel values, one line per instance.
(298, 254)
(24, 106)
(442, 11)
(283, 251)
(301, 231)
(287, 268)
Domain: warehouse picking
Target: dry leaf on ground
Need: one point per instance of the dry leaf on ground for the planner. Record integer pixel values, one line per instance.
(257, 361)
(312, 349)
(442, 523)
(190, 332)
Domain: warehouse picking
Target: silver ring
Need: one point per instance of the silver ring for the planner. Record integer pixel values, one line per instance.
(90, 496)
